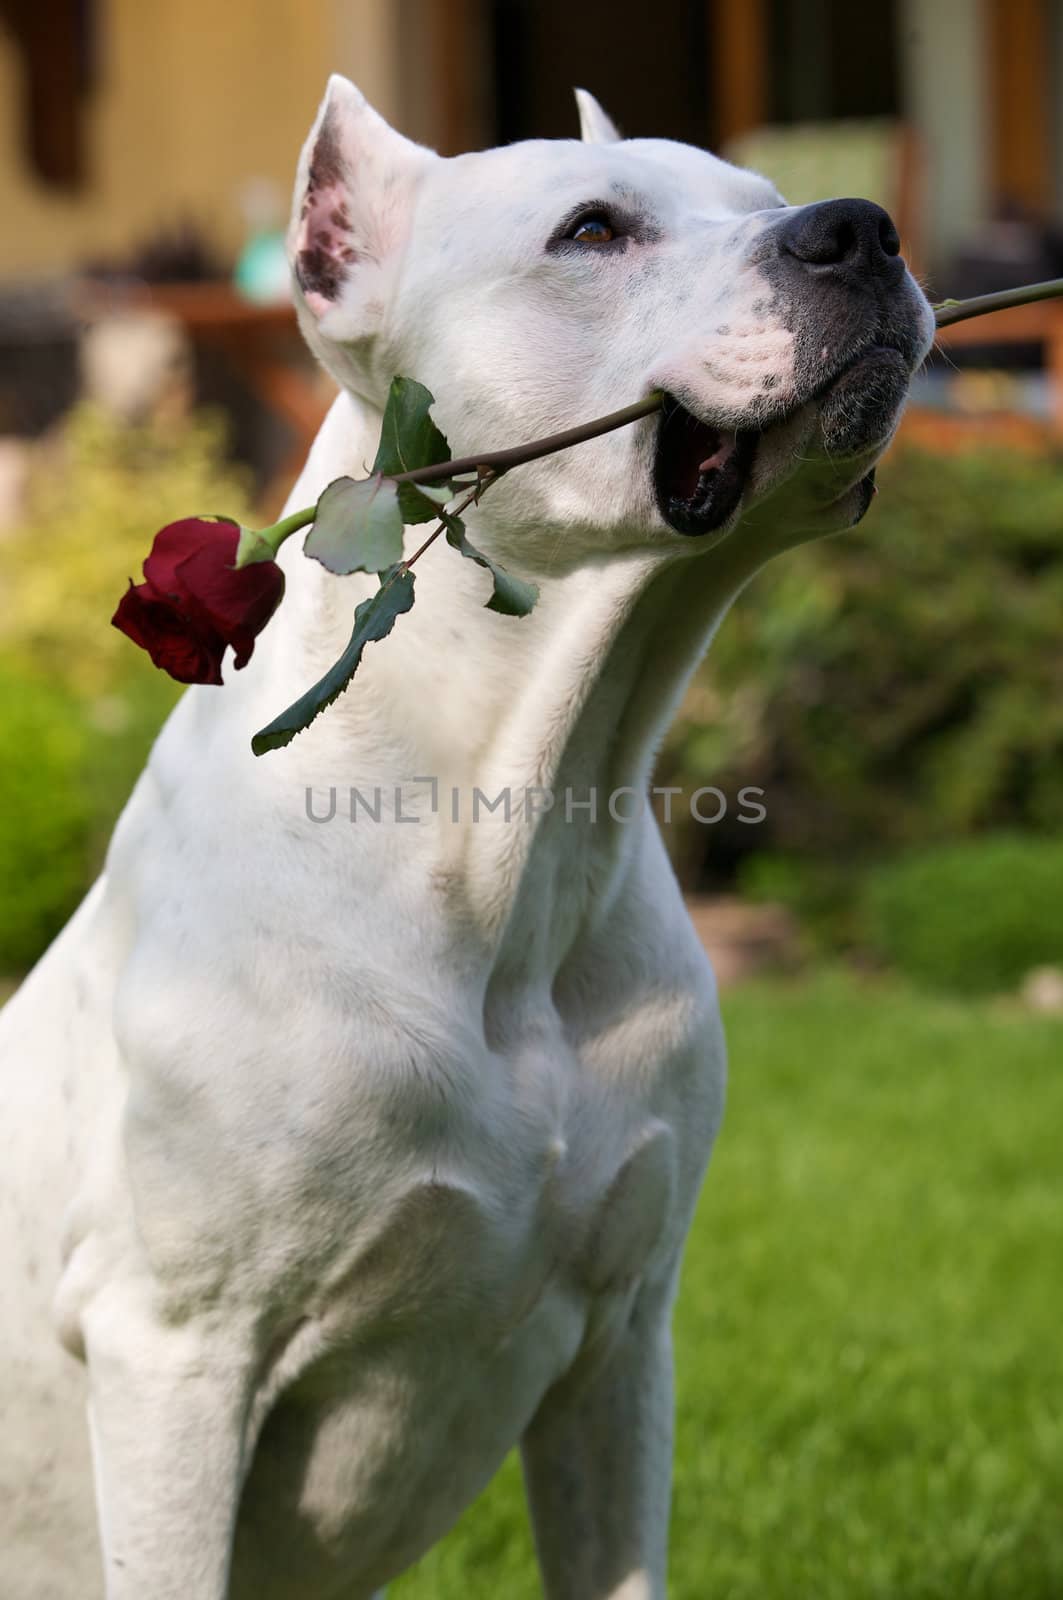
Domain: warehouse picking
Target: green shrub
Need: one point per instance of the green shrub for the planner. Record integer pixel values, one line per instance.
(45, 818)
(822, 894)
(899, 684)
(97, 497)
(974, 916)
(79, 704)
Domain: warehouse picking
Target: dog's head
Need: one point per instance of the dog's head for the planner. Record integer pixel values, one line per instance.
(543, 284)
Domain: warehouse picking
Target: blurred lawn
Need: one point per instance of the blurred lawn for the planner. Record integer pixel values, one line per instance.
(869, 1331)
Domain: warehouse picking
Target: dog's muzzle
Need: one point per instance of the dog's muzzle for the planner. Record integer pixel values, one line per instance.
(840, 286)
(842, 289)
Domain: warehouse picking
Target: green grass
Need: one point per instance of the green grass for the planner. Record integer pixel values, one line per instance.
(870, 1329)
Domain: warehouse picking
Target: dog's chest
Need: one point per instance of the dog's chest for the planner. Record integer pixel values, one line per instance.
(473, 1290)
(548, 1182)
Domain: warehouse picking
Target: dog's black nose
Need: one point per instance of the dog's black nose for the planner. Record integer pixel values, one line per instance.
(844, 233)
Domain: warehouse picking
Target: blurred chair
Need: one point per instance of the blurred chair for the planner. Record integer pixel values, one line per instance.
(1000, 408)
(137, 365)
(261, 344)
(875, 158)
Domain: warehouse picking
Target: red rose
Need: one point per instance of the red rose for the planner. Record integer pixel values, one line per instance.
(195, 602)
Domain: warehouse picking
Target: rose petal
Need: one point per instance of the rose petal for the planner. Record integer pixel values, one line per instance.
(190, 655)
(234, 598)
(179, 540)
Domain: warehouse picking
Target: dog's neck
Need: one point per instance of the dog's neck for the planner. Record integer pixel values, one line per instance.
(569, 701)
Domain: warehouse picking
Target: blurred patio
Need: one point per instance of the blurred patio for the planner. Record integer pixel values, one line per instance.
(149, 360)
(146, 157)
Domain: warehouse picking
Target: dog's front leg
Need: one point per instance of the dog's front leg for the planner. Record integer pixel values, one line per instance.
(597, 1467)
(168, 1414)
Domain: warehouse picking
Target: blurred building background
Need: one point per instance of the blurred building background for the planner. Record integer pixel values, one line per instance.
(119, 118)
(896, 690)
(157, 144)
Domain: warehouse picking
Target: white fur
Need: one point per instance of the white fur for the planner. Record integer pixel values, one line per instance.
(346, 1157)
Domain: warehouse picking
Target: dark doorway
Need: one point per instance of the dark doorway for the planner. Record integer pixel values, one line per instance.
(648, 67)
(831, 58)
(673, 70)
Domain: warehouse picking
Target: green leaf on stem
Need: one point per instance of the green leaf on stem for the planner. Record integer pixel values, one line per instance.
(511, 596)
(438, 493)
(410, 439)
(373, 619)
(421, 502)
(357, 526)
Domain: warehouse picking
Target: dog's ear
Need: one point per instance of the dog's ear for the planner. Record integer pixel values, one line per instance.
(595, 126)
(353, 198)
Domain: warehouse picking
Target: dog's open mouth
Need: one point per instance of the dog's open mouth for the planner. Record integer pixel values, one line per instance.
(700, 471)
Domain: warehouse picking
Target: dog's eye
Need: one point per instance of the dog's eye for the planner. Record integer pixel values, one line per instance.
(596, 229)
(594, 225)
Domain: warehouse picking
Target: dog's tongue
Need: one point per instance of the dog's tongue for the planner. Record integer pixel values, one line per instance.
(721, 455)
(694, 449)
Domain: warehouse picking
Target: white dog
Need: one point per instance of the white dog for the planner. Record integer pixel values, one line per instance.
(347, 1156)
